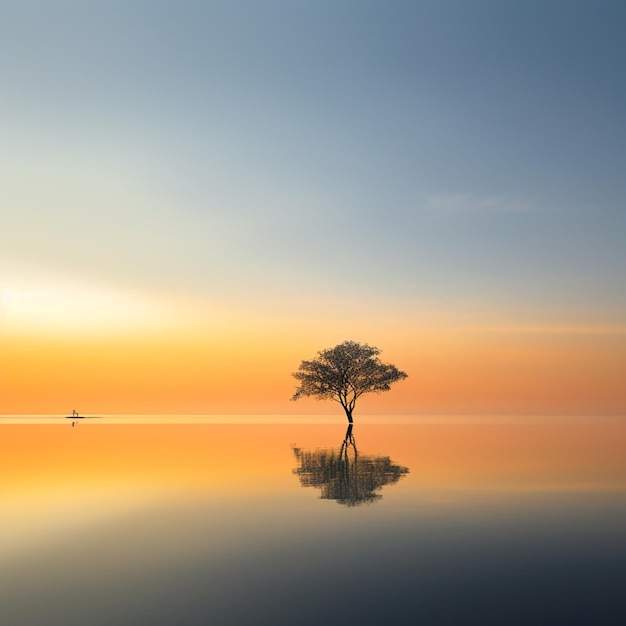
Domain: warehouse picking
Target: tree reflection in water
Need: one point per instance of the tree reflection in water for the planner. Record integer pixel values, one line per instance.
(344, 475)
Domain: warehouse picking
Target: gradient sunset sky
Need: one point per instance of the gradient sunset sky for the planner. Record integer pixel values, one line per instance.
(195, 196)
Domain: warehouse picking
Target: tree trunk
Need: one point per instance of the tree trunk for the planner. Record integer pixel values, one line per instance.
(348, 414)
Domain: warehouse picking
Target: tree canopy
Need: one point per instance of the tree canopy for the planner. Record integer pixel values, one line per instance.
(344, 373)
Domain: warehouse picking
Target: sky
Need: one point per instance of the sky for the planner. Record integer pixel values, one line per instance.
(195, 196)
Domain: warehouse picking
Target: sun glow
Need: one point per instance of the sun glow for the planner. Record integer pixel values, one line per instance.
(73, 308)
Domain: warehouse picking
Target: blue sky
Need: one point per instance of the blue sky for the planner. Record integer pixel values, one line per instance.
(425, 154)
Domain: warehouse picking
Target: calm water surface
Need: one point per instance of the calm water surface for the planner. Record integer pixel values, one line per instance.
(154, 520)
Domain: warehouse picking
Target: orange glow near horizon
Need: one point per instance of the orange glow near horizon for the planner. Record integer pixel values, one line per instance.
(243, 365)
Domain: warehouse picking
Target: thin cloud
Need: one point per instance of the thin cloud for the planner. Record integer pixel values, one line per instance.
(562, 330)
(467, 203)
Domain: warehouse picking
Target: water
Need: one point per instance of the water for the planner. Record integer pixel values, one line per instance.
(278, 520)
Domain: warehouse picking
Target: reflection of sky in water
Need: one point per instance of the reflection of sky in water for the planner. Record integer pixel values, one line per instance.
(208, 525)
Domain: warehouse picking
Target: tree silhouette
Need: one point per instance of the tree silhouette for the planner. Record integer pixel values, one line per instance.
(344, 373)
(344, 475)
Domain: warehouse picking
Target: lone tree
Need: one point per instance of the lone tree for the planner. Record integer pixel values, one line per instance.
(344, 373)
